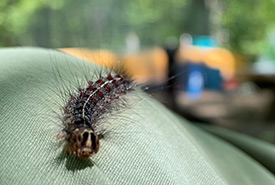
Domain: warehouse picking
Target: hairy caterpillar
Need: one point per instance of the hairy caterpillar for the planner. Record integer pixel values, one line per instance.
(86, 99)
(84, 109)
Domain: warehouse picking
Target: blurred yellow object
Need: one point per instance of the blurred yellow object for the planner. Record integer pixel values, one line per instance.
(144, 67)
(221, 59)
(217, 58)
(189, 54)
(101, 57)
(150, 66)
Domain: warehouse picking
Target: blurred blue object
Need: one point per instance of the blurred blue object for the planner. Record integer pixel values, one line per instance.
(204, 41)
(195, 82)
(198, 77)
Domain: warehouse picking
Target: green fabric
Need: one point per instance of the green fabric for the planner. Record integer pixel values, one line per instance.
(261, 151)
(145, 143)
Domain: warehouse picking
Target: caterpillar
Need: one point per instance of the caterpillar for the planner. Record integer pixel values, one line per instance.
(83, 110)
(88, 98)
(106, 92)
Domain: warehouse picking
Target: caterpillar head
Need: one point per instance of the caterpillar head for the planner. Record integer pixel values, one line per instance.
(83, 143)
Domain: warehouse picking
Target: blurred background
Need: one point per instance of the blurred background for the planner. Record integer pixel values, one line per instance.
(211, 61)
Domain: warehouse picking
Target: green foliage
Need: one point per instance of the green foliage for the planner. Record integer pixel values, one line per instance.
(15, 17)
(89, 23)
(248, 23)
(105, 23)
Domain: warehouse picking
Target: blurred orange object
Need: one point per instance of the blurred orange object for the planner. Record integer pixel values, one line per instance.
(101, 57)
(150, 66)
(217, 58)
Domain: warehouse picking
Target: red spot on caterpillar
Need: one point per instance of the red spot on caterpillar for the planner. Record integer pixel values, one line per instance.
(91, 88)
(115, 83)
(110, 77)
(108, 88)
(94, 100)
(100, 94)
(83, 94)
(99, 81)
